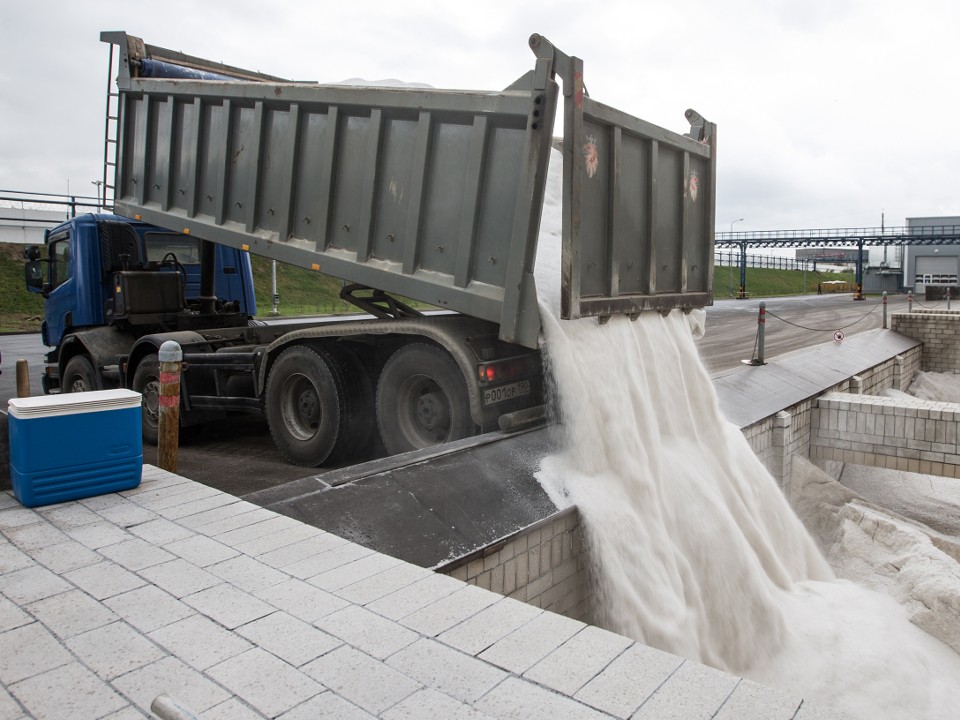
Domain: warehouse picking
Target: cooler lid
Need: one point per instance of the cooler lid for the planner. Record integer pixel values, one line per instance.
(73, 403)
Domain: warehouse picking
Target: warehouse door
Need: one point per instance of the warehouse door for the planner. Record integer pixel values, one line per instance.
(935, 270)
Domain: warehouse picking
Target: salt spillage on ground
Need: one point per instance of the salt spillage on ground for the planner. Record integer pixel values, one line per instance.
(696, 549)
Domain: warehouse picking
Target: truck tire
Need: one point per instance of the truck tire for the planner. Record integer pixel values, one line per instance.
(146, 381)
(422, 400)
(79, 375)
(311, 407)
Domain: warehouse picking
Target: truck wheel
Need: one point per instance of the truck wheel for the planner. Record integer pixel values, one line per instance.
(146, 381)
(79, 375)
(309, 406)
(422, 400)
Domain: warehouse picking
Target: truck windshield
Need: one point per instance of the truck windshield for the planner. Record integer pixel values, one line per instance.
(187, 249)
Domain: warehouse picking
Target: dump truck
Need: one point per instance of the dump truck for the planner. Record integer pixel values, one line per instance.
(402, 193)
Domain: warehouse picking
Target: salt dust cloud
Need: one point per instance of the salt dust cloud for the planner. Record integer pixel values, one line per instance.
(695, 550)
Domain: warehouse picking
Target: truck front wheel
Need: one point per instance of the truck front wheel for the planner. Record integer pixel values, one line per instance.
(422, 400)
(312, 408)
(79, 375)
(146, 381)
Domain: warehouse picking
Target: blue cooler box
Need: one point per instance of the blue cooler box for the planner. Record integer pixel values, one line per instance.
(75, 445)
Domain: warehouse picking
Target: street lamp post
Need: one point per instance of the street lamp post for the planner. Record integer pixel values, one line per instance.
(98, 183)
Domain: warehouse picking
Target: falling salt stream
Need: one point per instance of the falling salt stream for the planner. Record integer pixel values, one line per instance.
(695, 549)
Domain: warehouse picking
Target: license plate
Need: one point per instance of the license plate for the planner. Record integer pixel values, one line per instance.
(506, 392)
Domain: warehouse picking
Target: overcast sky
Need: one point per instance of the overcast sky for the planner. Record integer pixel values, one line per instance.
(830, 112)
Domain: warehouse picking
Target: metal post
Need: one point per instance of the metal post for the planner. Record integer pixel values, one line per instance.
(743, 271)
(171, 358)
(23, 379)
(761, 332)
(884, 309)
(909, 301)
(276, 296)
(858, 295)
(948, 298)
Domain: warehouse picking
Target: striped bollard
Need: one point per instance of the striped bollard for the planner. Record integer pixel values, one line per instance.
(884, 309)
(168, 431)
(761, 332)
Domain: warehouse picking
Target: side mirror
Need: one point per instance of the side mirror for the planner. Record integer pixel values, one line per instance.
(33, 276)
(31, 253)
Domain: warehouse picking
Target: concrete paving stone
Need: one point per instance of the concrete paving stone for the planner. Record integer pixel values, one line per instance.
(266, 682)
(232, 709)
(161, 531)
(302, 600)
(65, 556)
(364, 681)
(326, 706)
(476, 634)
(265, 543)
(218, 527)
(530, 643)
(340, 555)
(13, 558)
(31, 584)
(273, 524)
(69, 515)
(104, 580)
(160, 499)
(428, 703)
(290, 639)
(9, 708)
(222, 512)
(172, 677)
(17, 516)
(416, 596)
(303, 550)
(148, 608)
(452, 672)
(516, 699)
(201, 550)
(114, 649)
(199, 641)
(35, 535)
(29, 650)
(68, 692)
(71, 613)
(136, 554)
(450, 610)
(578, 660)
(367, 631)
(127, 713)
(193, 507)
(247, 573)
(752, 701)
(11, 616)
(228, 606)
(99, 534)
(127, 513)
(355, 571)
(8, 500)
(813, 712)
(383, 583)
(629, 680)
(180, 577)
(694, 691)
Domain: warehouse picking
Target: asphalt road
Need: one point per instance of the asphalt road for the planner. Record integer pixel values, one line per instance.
(239, 457)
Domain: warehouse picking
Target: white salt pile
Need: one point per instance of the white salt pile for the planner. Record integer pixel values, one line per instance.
(696, 551)
(943, 387)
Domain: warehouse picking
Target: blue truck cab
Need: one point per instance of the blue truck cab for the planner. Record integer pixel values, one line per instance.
(110, 280)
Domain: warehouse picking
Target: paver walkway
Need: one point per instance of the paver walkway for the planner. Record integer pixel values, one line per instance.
(238, 612)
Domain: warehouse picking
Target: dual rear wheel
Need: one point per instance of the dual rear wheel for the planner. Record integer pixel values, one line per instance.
(320, 402)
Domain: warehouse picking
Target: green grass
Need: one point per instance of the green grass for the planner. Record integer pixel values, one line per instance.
(305, 292)
(764, 282)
